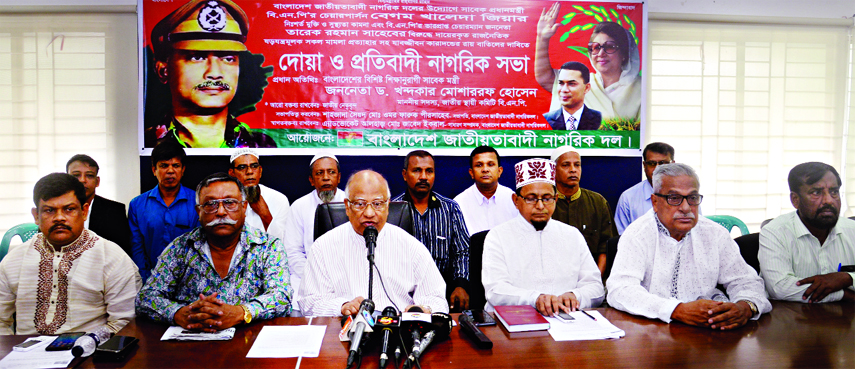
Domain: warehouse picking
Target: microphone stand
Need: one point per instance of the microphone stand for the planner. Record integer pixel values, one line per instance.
(370, 234)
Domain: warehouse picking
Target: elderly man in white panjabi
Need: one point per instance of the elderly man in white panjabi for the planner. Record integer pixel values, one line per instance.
(535, 260)
(670, 260)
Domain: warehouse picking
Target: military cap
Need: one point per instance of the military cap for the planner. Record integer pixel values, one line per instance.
(203, 25)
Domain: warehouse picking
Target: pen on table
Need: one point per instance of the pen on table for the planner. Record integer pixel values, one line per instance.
(589, 315)
(839, 266)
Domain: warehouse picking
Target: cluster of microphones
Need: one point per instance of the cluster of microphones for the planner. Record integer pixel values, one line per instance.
(405, 335)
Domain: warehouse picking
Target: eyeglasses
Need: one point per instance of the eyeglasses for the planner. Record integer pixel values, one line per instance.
(360, 205)
(532, 200)
(610, 47)
(675, 199)
(242, 167)
(213, 206)
(653, 163)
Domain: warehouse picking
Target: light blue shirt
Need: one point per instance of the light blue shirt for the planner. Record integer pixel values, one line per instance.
(633, 203)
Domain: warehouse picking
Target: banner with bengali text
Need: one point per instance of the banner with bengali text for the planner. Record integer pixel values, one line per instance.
(351, 75)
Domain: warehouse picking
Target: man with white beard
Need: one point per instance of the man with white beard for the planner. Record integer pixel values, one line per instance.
(324, 175)
(268, 209)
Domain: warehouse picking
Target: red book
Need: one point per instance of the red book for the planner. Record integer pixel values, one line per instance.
(521, 318)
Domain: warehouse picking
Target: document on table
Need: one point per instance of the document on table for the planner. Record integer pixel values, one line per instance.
(37, 357)
(280, 341)
(180, 334)
(584, 328)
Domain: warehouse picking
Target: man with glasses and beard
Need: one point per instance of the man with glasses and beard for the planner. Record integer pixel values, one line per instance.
(324, 175)
(535, 260)
(220, 274)
(802, 254)
(670, 260)
(268, 209)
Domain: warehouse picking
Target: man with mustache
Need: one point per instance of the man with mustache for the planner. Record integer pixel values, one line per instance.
(584, 209)
(439, 225)
(66, 278)
(167, 211)
(486, 203)
(324, 175)
(802, 253)
(197, 51)
(221, 274)
(670, 260)
(268, 209)
(534, 260)
(337, 271)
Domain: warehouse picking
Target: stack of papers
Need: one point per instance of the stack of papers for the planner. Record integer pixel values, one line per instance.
(37, 357)
(584, 328)
(288, 341)
(180, 334)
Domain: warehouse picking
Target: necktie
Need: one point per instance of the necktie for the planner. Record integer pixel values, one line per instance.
(571, 123)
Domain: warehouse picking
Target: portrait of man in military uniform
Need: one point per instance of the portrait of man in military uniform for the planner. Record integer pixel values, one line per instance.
(199, 60)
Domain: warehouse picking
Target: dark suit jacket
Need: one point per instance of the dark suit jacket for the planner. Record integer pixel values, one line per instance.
(108, 219)
(590, 121)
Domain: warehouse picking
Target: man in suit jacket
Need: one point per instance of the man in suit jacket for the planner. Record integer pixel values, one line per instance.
(107, 218)
(573, 83)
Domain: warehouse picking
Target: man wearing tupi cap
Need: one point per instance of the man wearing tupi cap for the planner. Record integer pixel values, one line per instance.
(324, 175)
(533, 260)
(268, 209)
(197, 50)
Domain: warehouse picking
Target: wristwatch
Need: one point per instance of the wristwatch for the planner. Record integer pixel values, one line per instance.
(247, 316)
(753, 307)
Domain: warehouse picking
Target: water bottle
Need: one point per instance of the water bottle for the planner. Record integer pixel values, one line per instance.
(86, 344)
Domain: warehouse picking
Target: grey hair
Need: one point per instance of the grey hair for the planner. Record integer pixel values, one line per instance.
(673, 170)
(354, 175)
(219, 177)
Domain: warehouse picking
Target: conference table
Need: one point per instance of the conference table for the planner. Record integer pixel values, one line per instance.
(792, 335)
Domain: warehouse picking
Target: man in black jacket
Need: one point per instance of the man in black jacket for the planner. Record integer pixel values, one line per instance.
(574, 81)
(107, 218)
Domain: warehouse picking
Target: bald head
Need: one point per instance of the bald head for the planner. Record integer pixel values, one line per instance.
(367, 202)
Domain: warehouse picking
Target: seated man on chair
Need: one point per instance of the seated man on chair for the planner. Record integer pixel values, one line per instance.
(801, 252)
(534, 259)
(66, 278)
(670, 260)
(337, 273)
(221, 274)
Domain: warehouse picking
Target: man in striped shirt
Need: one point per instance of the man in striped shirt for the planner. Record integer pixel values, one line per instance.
(802, 253)
(337, 273)
(439, 225)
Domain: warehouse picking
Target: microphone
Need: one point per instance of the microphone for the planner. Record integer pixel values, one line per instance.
(415, 321)
(440, 327)
(387, 323)
(370, 234)
(363, 324)
(468, 326)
